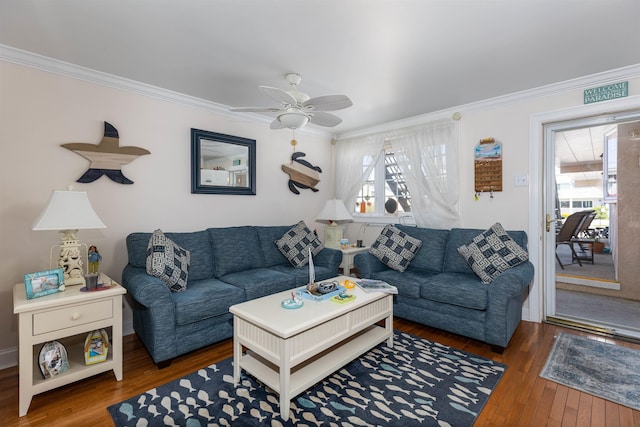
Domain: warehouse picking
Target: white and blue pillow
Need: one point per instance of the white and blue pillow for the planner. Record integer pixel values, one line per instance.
(295, 242)
(168, 261)
(492, 252)
(395, 248)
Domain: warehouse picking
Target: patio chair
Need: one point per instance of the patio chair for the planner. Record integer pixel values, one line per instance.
(568, 232)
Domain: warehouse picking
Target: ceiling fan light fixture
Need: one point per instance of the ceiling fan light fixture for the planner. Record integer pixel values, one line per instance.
(293, 119)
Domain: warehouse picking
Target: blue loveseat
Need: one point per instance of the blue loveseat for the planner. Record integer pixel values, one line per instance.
(439, 289)
(228, 266)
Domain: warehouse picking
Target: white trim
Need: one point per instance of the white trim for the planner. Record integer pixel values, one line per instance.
(603, 78)
(55, 66)
(536, 217)
(593, 283)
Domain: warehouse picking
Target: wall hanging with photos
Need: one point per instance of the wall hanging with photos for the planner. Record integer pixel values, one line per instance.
(488, 166)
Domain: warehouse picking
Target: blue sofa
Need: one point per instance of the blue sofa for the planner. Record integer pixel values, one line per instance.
(228, 266)
(439, 289)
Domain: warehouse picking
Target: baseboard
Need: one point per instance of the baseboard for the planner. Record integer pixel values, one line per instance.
(9, 356)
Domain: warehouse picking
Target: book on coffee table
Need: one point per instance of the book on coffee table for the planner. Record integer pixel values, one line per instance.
(370, 285)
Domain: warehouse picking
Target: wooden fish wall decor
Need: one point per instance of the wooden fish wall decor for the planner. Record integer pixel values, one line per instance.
(302, 174)
(107, 158)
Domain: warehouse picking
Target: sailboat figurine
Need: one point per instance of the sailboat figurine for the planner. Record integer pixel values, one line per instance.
(312, 286)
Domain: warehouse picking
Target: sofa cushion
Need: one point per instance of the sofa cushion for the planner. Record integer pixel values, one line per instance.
(197, 243)
(395, 248)
(168, 261)
(295, 244)
(235, 249)
(259, 282)
(492, 252)
(205, 299)
(434, 242)
(456, 289)
(408, 282)
(270, 252)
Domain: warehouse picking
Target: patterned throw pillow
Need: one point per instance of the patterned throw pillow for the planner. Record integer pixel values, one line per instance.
(492, 252)
(168, 261)
(395, 248)
(294, 244)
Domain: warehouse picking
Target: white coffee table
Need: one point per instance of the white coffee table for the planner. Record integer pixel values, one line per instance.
(291, 350)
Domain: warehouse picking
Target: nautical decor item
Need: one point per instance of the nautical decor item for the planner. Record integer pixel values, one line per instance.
(107, 158)
(53, 359)
(292, 303)
(302, 174)
(96, 347)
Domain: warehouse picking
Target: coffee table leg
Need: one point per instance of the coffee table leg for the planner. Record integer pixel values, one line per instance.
(388, 325)
(285, 381)
(237, 353)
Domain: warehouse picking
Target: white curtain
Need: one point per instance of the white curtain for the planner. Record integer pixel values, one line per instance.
(349, 165)
(428, 157)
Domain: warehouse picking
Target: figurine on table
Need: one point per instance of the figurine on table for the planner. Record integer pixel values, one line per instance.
(94, 258)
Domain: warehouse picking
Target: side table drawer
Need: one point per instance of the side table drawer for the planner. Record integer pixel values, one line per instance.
(67, 317)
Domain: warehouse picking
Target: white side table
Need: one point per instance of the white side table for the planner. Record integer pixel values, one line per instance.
(67, 317)
(347, 258)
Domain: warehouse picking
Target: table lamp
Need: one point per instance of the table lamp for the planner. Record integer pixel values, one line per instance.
(69, 211)
(334, 214)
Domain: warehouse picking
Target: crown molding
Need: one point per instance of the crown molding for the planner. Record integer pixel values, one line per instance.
(51, 65)
(55, 66)
(580, 83)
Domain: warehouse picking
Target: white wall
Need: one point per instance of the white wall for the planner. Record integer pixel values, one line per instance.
(39, 111)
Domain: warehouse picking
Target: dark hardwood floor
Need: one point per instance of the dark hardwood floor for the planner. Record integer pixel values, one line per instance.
(521, 398)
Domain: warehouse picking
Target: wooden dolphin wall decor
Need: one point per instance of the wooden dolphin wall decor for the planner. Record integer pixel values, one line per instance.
(107, 157)
(302, 174)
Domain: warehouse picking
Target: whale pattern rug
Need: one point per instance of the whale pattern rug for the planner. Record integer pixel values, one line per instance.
(604, 370)
(415, 383)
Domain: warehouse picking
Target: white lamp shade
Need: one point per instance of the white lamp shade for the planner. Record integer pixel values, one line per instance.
(68, 210)
(334, 211)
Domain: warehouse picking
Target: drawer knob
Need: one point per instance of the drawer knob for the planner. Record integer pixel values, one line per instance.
(75, 316)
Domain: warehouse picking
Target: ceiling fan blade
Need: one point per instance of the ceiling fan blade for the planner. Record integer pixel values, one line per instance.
(255, 109)
(324, 119)
(276, 125)
(278, 95)
(328, 103)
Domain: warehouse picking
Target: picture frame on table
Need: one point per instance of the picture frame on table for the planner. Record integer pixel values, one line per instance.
(43, 283)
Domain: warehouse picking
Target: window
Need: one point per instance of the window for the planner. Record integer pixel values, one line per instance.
(391, 184)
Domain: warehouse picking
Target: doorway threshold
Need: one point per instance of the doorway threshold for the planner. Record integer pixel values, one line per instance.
(631, 335)
(588, 281)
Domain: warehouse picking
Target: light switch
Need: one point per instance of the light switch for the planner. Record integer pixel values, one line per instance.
(521, 180)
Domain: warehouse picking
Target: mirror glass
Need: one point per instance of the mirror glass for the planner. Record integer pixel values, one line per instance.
(222, 164)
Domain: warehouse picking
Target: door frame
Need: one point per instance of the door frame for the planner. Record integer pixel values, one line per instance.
(540, 255)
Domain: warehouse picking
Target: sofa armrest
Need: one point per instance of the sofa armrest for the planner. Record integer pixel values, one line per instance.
(511, 282)
(148, 290)
(328, 257)
(504, 308)
(368, 264)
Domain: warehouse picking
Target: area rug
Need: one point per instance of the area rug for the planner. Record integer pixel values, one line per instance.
(417, 382)
(604, 370)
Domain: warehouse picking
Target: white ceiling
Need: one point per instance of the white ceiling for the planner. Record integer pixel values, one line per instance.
(394, 59)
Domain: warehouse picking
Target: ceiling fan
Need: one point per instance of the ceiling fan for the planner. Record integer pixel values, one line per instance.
(297, 108)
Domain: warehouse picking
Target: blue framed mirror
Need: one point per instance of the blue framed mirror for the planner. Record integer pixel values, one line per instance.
(222, 164)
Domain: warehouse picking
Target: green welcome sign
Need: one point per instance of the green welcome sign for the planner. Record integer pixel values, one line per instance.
(606, 92)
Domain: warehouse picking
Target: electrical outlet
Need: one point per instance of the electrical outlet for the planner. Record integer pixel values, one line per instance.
(521, 180)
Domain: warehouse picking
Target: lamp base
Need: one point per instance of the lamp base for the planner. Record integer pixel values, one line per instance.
(333, 233)
(70, 258)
